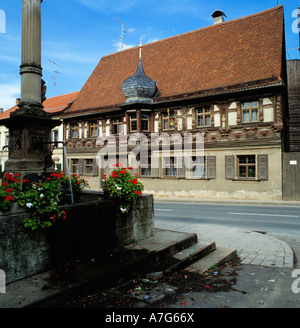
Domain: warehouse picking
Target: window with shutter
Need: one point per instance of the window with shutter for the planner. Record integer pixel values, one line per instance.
(88, 167)
(74, 166)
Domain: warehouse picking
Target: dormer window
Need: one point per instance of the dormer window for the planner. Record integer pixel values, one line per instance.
(133, 123)
(145, 122)
(117, 126)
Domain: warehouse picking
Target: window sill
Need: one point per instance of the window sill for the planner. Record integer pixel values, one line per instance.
(247, 180)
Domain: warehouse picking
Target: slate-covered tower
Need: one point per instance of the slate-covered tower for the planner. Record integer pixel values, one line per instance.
(139, 88)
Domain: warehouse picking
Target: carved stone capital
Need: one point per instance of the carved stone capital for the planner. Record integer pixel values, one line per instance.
(31, 69)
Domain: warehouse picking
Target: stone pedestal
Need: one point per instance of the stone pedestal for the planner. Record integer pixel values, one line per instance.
(29, 143)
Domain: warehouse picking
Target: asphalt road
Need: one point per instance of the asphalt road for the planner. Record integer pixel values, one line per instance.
(256, 286)
(283, 220)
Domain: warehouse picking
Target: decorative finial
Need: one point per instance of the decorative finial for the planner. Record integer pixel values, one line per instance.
(141, 47)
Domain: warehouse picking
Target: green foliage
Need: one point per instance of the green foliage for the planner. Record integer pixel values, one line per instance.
(123, 186)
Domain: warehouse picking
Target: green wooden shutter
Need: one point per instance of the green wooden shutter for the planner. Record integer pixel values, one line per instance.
(95, 168)
(80, 167)
(211, 167)
(262, 167)
(229, 167)
(181, 170)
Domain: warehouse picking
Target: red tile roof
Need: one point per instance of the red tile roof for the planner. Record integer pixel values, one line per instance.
(226, 55)
(51, 105)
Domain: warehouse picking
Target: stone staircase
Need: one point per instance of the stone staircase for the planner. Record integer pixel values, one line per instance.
(193, 255)
(165, 252)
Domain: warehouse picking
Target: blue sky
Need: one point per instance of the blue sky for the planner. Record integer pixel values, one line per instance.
(77, 33)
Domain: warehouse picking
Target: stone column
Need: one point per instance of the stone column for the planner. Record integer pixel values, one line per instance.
(31, 70)
(30, 126)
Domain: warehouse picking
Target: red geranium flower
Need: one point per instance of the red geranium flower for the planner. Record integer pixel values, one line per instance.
(8, 190)
(138, 192)
(8, 198)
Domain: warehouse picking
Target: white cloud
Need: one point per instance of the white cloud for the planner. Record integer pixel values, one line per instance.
(119, 45)
(8, 94)
(152, 40)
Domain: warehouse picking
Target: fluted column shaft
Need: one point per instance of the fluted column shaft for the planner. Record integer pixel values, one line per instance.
(31, 70)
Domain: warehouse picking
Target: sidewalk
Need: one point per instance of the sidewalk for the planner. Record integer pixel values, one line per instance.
(252, 247)
(228, 201)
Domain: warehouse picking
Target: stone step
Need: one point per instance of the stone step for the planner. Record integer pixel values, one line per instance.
(220, 256)
(181, 259)
(163, 244)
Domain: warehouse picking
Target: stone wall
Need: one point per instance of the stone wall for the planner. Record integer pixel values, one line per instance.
(92, 226)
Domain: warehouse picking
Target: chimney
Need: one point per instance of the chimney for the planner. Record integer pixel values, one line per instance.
(1, 111)
(17, 101)
(218, 16)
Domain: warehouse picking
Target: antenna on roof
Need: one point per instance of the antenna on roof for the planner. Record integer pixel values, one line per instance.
(55, 71)
(123, 31)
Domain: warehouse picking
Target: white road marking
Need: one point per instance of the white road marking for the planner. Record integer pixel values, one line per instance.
(256, 214)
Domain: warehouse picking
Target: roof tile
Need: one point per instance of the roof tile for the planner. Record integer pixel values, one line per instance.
(224, 55)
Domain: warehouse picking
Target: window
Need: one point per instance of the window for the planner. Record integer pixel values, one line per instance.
(252, 167)
(6, 143)
(199, 167)
(168, 120)
(203, 117)
(93, 129)
(145, 122)
(74, 130)
(146, 172)
(118, 126)
(250, 112)
(88, 167)
(133, 123)
(55, 135)
(170, 166)
(202, 167)
(246, 167)
(75, 166)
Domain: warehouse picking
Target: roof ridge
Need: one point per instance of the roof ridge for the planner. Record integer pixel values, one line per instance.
(65, 94)
(273, 9)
